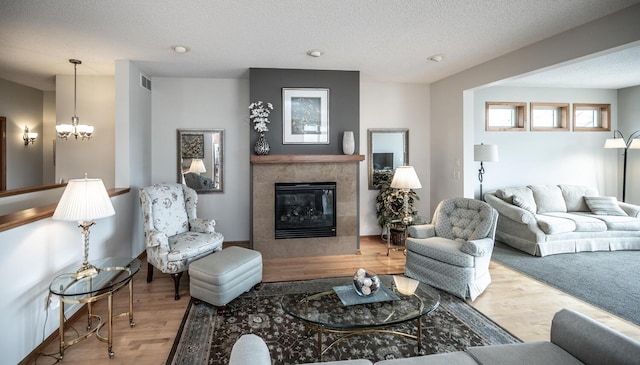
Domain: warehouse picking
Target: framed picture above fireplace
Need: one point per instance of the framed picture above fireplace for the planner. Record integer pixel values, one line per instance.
(305, 116)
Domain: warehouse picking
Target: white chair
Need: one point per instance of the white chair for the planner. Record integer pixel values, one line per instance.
(453, 252)
(174, 236)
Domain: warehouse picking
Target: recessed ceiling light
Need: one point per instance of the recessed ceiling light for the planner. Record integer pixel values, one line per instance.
(180, 49)
(315, 53)
(436, 58)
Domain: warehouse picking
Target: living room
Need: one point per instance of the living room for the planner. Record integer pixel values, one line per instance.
(141, 137)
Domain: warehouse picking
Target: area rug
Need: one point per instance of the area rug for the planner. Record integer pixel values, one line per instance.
(608, 280)
(206, 336)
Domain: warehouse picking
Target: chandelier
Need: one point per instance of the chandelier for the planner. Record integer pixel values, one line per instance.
(75, 129)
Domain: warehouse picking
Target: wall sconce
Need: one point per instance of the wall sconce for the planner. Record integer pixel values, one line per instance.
(29, 137)
(631, 143)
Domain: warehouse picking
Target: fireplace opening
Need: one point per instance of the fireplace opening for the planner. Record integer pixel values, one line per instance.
(305, 210)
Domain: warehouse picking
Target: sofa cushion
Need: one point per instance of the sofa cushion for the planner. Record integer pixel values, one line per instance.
(441, 249)
(448, 358)
(604, 205)
(574, 197)
(584, 223)
(548, 198)
(617, 223)
(555, 225)
(531, 353)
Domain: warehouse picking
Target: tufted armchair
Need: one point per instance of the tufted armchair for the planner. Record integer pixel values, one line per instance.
(453, 252)
(173, 234)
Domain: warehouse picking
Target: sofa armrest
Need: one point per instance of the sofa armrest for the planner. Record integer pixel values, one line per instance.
(510, 211)
(202, 225)
(422, 230)
(631, 209)
(157, 238)
(250, 350)
(480, 247)
(591, 342)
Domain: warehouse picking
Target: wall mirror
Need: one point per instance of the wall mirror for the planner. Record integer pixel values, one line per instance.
(200, 159)
(387, 148)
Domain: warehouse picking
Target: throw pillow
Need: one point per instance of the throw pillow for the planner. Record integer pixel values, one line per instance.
(574, 196)
(604, 205)
(522, 203)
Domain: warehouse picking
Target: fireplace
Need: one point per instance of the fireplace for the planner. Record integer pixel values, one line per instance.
(304, 210)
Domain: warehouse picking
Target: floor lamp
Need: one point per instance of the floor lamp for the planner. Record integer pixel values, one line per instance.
(630, 143)
(484, 153)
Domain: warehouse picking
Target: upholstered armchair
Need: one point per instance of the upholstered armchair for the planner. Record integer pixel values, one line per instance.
(173, 234)
(453, 252)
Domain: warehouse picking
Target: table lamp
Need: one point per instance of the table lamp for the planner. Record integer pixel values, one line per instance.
(197, 166)
(84, 200)
(405, 178)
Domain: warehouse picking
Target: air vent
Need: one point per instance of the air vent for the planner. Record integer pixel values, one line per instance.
(145, 82)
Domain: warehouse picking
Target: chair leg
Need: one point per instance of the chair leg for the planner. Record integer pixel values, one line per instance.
(149, 272)
(176, 281)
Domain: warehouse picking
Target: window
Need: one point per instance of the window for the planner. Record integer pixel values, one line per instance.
(549, 117)
(591, 117)
(505, 116)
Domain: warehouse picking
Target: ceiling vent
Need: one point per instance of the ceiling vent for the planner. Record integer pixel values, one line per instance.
(145, 82)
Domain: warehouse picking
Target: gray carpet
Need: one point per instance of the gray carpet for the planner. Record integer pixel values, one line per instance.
(609, 280)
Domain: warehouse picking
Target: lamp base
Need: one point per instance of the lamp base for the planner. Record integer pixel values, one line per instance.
(85, 271)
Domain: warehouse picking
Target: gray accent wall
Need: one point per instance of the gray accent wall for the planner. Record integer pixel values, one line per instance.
(344, 105)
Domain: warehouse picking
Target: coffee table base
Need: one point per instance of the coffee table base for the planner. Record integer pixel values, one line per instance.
(362, 331)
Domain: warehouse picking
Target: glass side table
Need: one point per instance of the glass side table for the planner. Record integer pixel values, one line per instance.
(402, 226)
(113, 274)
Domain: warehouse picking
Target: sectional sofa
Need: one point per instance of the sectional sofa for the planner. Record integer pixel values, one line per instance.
(575, 339)
(550, 219)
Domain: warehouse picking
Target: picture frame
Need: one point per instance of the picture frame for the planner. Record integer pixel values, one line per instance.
(192, 146)
(305, 116)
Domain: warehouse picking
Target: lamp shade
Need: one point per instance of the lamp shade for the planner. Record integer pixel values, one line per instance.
(615, 143)
(405, 178)
(485, 152)
(197, 166)
(84, 200)
(635, 144)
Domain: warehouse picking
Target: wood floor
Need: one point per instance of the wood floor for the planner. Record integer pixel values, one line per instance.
(518, 303)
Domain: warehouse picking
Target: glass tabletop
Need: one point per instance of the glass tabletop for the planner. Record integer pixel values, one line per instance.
(112, 271)
(326, 309)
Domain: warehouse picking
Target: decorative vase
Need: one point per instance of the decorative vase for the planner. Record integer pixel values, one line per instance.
(365, 282)
(262, 145)
(348, 143)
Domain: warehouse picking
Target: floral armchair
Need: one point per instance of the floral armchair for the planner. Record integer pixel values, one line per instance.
(174, 236)
(453, 252)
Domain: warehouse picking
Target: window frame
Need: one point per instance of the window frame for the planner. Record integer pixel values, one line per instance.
(520, 114)
(605, 117)
(563, 111)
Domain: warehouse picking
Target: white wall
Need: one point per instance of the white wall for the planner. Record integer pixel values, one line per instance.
(452, 106)
(541, 157)
(33, 255)
(629, 122)
(393, 105)
(200, 103)
(95, 106)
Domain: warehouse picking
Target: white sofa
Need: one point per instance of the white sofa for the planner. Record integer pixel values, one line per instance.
(550, 219)
(575, 339)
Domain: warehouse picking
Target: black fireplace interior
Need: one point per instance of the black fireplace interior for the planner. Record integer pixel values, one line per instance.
(305, 210)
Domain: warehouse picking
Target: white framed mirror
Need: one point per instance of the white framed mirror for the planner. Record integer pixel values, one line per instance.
(387, 148)
(200, 159)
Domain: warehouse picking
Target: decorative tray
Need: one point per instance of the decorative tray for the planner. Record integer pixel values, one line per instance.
(348, 295)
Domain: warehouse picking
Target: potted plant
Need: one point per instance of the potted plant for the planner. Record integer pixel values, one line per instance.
(390, 201)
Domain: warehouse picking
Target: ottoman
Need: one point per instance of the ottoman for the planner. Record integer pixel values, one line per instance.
(222, 276)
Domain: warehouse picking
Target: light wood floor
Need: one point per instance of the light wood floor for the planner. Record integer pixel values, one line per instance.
(518, 303)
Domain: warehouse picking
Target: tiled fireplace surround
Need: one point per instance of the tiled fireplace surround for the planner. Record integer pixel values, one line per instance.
(271, 169)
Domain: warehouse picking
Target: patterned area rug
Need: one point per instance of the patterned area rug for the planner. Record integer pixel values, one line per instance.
(206, 336)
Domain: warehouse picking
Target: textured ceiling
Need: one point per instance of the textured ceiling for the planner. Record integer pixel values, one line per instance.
(384, 40)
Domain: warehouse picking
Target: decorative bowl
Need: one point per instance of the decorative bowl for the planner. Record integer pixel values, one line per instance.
(366, 283)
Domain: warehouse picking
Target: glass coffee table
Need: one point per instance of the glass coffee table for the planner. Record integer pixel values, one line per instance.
(325, 312)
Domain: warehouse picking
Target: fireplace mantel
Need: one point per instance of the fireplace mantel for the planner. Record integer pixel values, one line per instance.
(284, 158)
